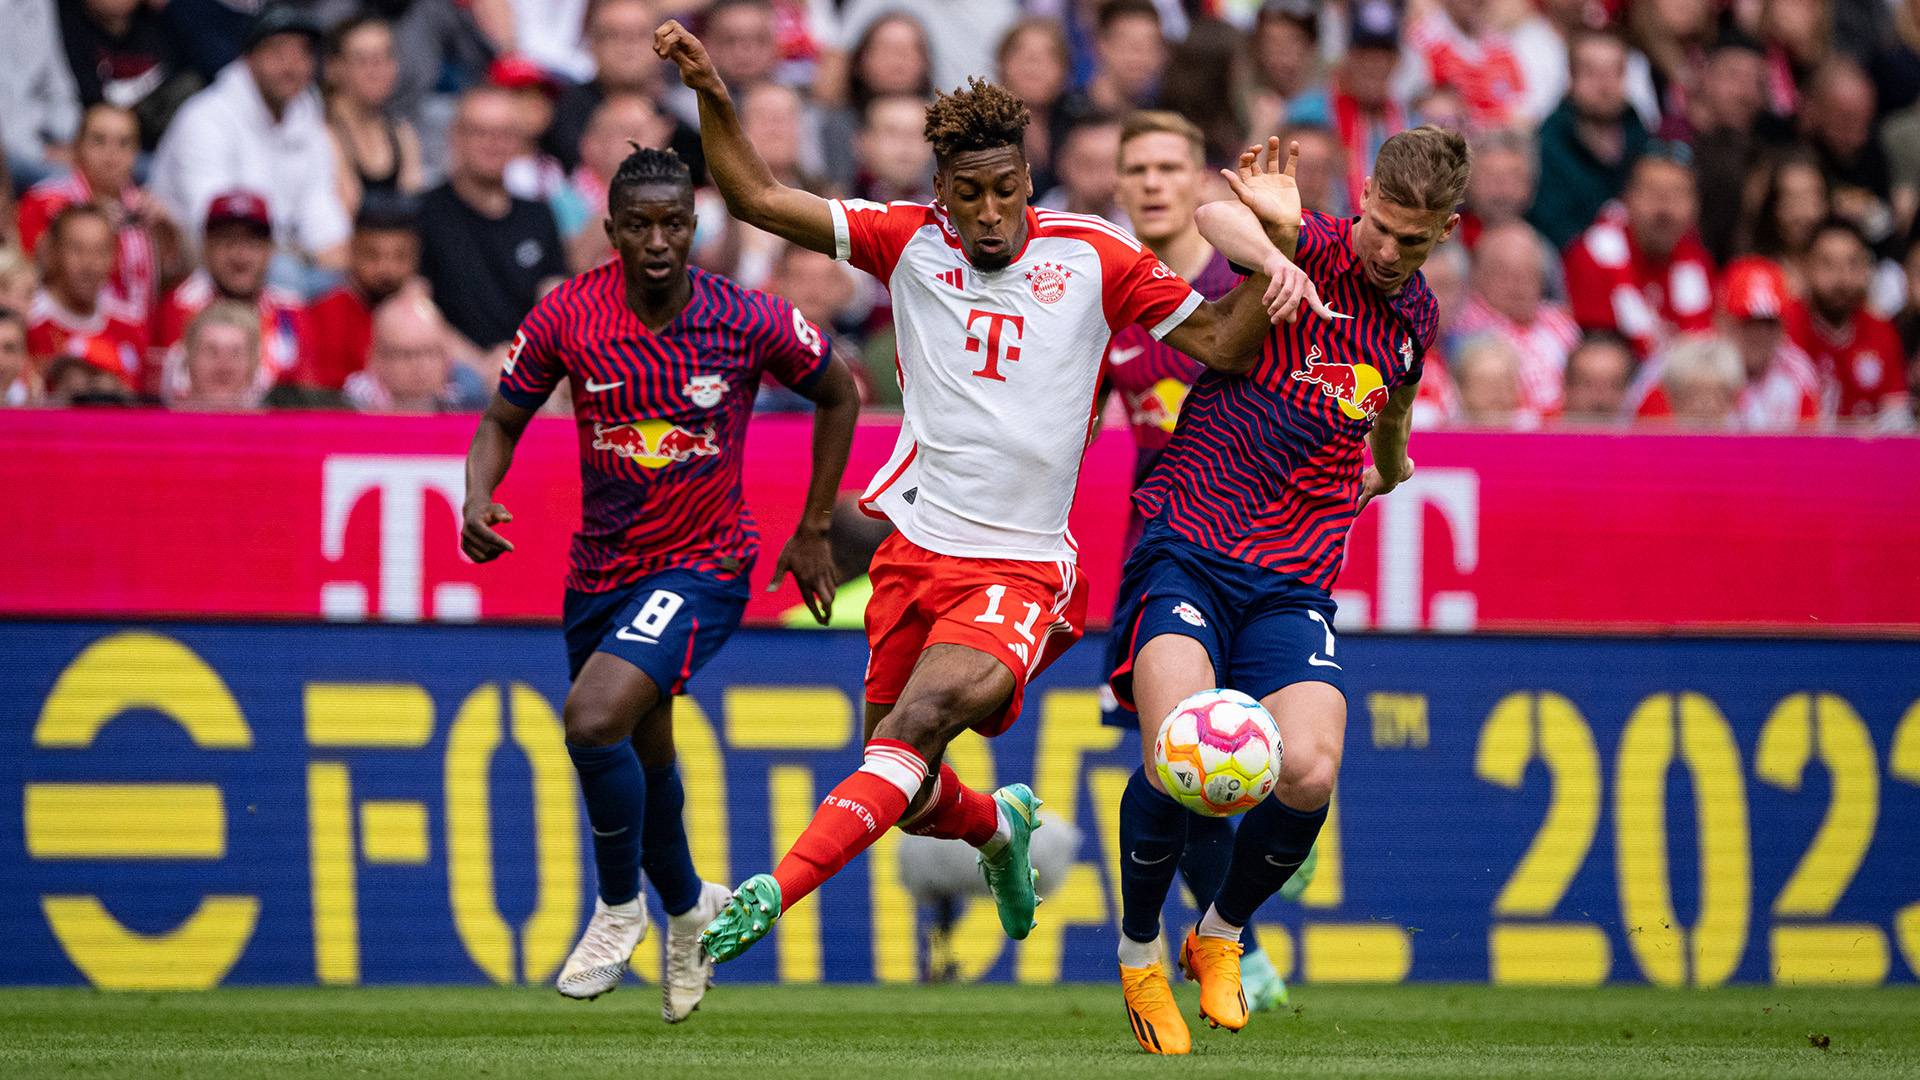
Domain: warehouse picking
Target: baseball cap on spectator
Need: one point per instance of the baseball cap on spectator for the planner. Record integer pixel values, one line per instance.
(513, 71)
(1756, 288)
(240, 205)
(1304, 13)
(1375, 25)
(283, 18)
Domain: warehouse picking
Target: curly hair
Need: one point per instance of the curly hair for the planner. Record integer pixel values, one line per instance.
(647, 167)
(981, 117)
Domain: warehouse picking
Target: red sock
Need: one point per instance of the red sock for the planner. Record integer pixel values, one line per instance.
(956, 812)
(851, 818)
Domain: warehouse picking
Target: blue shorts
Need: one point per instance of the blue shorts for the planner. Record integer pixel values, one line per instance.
(1262, 629)
(667, 624)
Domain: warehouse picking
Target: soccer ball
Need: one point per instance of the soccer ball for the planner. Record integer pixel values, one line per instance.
(1218, 753)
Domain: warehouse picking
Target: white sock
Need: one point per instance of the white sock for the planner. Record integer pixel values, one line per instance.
(1139, 954)
(1213, 925)
(1002, 833)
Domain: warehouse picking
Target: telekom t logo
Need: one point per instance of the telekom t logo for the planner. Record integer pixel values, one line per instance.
(402, 482)
(995, 320)
(1401, 602)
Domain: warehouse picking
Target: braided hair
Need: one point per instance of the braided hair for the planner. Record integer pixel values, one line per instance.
(646, 167)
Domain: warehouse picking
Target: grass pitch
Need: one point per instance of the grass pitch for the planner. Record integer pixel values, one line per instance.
(849, 1033)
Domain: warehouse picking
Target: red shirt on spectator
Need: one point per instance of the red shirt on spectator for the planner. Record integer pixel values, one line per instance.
(338, 332)
(1615, 286)
(281, 315)
(1862, 368)
(135, 273)
(1785, 398)
(53, 331)
(1482, 69)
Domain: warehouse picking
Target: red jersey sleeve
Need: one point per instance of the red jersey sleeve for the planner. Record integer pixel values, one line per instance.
(871, 235)
(792, 349)
(534, 365)
(1143, 291)
(1589, 288)
(36, 213)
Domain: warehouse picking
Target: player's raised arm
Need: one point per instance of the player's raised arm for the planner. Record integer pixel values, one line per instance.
(744, 180)
(1388, 441)
(1269, 195)
(1226, 335)
(487, 459)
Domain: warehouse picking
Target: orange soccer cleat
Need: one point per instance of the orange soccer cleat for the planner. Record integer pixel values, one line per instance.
(1214, 963)
(1151, 1010)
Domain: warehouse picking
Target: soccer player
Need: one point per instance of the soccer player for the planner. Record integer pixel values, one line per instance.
(1247, 515)
(1162, 167)
(663, 362)
(1003, 313)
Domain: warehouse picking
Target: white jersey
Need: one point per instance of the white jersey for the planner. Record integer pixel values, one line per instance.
(998, 369)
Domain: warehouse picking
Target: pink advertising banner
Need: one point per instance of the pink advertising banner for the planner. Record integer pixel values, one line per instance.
(305, 516)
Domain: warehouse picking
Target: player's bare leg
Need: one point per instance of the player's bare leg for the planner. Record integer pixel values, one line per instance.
(952, 688)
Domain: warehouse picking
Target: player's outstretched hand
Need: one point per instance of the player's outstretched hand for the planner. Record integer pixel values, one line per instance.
(1292, 288)
(676, 43)
(1265, 187)
(1372, 484)
(477, 537)
(809, 557)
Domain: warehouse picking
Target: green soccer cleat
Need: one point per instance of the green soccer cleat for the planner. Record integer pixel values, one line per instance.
(1264, 987)
(747, 918)
(1010, 875)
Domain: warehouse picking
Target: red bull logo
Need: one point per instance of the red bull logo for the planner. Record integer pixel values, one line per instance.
(1158, 405)
(654, 444)
(1357, 388)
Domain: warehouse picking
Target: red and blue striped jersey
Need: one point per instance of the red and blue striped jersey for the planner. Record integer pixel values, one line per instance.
(662, 417)
(1265, 467)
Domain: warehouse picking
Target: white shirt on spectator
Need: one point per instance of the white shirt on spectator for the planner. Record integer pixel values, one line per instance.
(963, 35)
(547, 32)
(38, 101)
(1542, 344)
(224, 137)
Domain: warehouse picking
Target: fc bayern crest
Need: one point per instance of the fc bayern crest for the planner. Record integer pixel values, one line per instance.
(1049, 282)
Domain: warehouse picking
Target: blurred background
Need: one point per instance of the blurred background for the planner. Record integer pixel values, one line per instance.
(1633, 659)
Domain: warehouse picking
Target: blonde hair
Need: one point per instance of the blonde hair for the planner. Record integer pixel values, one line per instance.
(16, 263)
(1423, 169)
(242, 317)
(1164, 122)
(1704, 358)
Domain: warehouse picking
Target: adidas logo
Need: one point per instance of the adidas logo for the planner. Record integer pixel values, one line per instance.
(954, 277)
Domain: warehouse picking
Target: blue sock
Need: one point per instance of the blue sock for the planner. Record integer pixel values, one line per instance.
(1204, 864)
(665, 858)
(1272, 842)
(616, 793)
(1153, 831)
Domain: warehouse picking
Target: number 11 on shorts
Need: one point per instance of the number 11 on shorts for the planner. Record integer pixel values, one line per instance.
(992, 615)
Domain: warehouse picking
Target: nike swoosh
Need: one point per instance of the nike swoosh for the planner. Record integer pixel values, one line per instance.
(615, 832)
(1280, 865)
(625, 634)
(594, 387)
(1317, 662)
(1149, 862)
(1121, 356)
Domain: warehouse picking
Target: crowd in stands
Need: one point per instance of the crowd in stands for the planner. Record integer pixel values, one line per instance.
(1683, 212)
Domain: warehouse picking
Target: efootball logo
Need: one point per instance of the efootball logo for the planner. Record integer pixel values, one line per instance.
(1049, 282)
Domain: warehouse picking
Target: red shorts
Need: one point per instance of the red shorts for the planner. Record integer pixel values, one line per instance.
(1023, 613)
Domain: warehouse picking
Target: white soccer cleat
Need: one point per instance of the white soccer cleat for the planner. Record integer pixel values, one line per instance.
(601, 958)
(689, 968)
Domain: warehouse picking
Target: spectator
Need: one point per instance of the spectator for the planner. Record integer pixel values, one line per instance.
(1701, 376)
(1727, 149)
(963, 35)
(895, 159)
(1487, 377)
(90, 376)
(438, 42)
(1455, 44)
(1130, 52)
(1033, 63)
(1500, 190)
(1590, 143)
(622, 122)
(19, 385)
(739, 35)
(76, 306)
(1780, 390)
(533, 173)
(1447, 273)
(39, 107)
(487, 254)
(1837, 119)
(1508, 280)
(1442, 107)
(1674, 34)
(1640, 270)
(382, 258)
(548, 32)
(238, 250)
(1858, 355)
(1289, 85)
(260, 127)
(1793, 203)
(891, 59)
(379, 153)
(410, 368)
(1799, 39)
(770, 115)
(123, 52)
(620, 36)
(1321, 170)
(1089, 170)
(19, 279)
(1366, 111)
(1201, 82)
(1599, 370)
(221, 360)
(103, 157)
